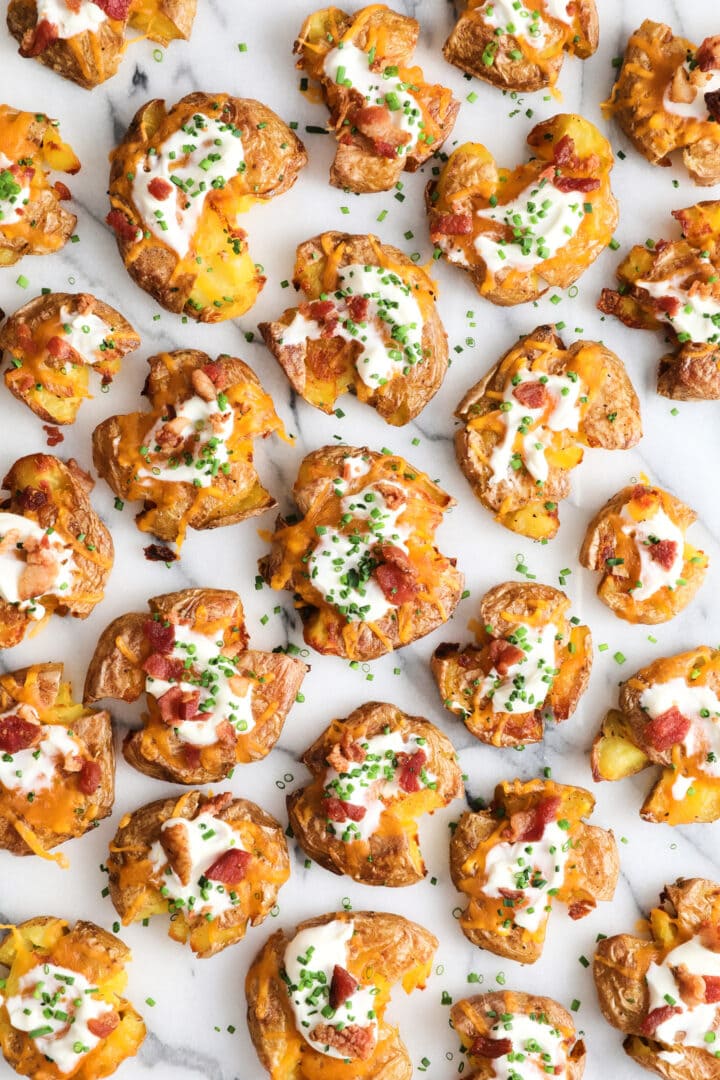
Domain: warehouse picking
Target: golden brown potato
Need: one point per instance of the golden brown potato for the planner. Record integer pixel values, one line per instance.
(387, 584)
(482, 217)
(175, 210)
(33, 220)
(90, 44)
(57, 763)
(364, 953)
(666, 99)
(521, 47)
(40, 954)
(528, 665)
(662, 991)
(55, 552)
(203, 719)
(351, 283)
(384, 115)
(669, 715)
(53, 343)
(528, 1028)
(212, 899)
(637, 542)
(529, 848)
(405, 766)
(527, 421)
(192, 468)
(673, 286)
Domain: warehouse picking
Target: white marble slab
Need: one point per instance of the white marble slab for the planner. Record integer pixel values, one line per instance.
(198, 1000)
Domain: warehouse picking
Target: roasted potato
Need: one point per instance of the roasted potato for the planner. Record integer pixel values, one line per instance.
(87, 42)
(384, 115)
(176, 204)
(33, 220)
(637, 542)
(81, 971)
(369, 325)
(361, 955)
(483, 218)
(52, 343)
(214, 864)
(519, 46)
(390, 585)
(190, 458)
(55, 552)
(662, 990)
(526, 423)
(669, 715)
(508, 908)
(510, 1026)
(183, 739)
(667, 98)
(528, 665)
(673, 287)
(374, 774)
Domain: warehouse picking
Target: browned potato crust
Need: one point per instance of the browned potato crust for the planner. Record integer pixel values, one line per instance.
(461, 671)
(384, 949)
(516, 489)
(324, 367)
(391, 855)
(624, 559)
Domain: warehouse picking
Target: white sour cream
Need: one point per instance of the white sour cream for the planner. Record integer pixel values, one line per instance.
(84, 15)
(541, 1046)
(515, 18)
(701, 706)
(540, 864)
(697, 108)
(558, 9)
(527, 682)
(690, 1025)
(315, 952)
(210, 450)
(697, 319)
(36, 768)
(543, 221)
(652, 575)
(13, 564)
(45, 991)
(13, 195)
(681, 787)
(205, 154)
(87, 334)
(208, 838)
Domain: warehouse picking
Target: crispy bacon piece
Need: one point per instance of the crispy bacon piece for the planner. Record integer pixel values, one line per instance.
(124, 229)
(352, 1041)
(175, 844)
(161, 637)
(89, 777)
(396, 575)
(18, 734)
(503, 655)
(712, 988)
(63, 191)
(32, 498)
(533, 395)
(656, 1017)
(160, 189)
(188, 707)
(36, 41)
(708, 54)
(54, 434)
(339, 810)
(203, 385)
(452, 225)
(691, 986)
(323, 312)
(663, 552)
(576, 183)
(346, 753)
(712, 103)
(564, 153)
(409, 769)
(216, 373)
(375, 123)
(230, 867)
(669, 305)
(164, 667)
(160, 553)
(176, 705)
(667, 729)
(358, 308)
(530, 824)
(102, 1026)
(342, 987)
(580, 908)
(484, 1046)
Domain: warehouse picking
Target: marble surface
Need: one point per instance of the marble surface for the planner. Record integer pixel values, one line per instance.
(198, 1001)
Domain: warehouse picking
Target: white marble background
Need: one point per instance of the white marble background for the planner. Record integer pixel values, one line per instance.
(197, 1001)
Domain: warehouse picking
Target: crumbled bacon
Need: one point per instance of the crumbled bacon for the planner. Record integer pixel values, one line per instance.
(580, 908)
(656, 1017)
(708, 54)
(346, 753)
(164, 667)
(564, 153)
(667, 729)
(410, 767)
(62, 190)
(358, 308)
(338, 810)
(576, 183)
(669, 305)
(396, 575)
(352, 1041)
(176, 845)
(376, 124)
(217, 374)
(483, 1046)
(54, 434)
(160, 189)
(503, 655)
(123, 228)
(712, 104)
(102, 1026)
(452, 225)
(230, 867)
(160, 553)
(712, 988)
(89, 777)
(663, 553)
(203, 385)
(40, 38)
(32, 498)
(18, 734)
(530, 824)
(176, 704)
(690, 985)
(115, 9)
(161, 637)
(533, 395)
(342, 987)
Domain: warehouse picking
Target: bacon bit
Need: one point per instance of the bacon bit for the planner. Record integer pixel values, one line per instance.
(410, 767)
(63, 191)
(160, 553)
(564, 153)
(375, 123)
(580, 908)
(691, 986)
(230, 867)
(339, 810)
(54, 435)
(712, 102)
(643, 495)
(102, 1026)
(352, 1042)
(503, 655)
(396, 575)
(511, 894)
(216, 372)
(176, 704)
(115, 9)
(576, 183)
(160, 189)
(60, 349)
(342, 987)
(483, 1046)
(159, 666)
(345, 753)
(530, 824)
(712, 988)
(37, 40)
(18, 734)
(321, 309)
(41, 569)
(667, 729)
(452, 225)
(663, 552)
(123, 228)
(161, 637)
(32, 498)
(358, 308)
(533, 395)
(657, 1017)
(189, 707)
(708, 54)
(89, 777)
(175, 844)
(664, 304)
(203, 385)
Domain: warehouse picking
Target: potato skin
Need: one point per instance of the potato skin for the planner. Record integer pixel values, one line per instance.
(134, 897)
(324, 369)
(389, 945)
(471, 38)
(515, 501)
(458, 669)
(604, 540)
(392, 854)
(68, 510)
(25, 336)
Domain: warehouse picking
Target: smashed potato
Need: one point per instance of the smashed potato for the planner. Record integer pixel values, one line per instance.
(32, 218)
(528, 666)
(673, 286)
(91, 1029)
(53, 343)
(176, 203)
(526, 423)
(637, 542)
(485, 219)
(528, 849)
(190, 458)
(369, 325)
(374, 774)
(662, 990)
(215, 864)
(669, 715)
(357, 957)
(667, 98)
(521, 46)
(384, 115)
(55, 552)
(361, 561)
(203, 717)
